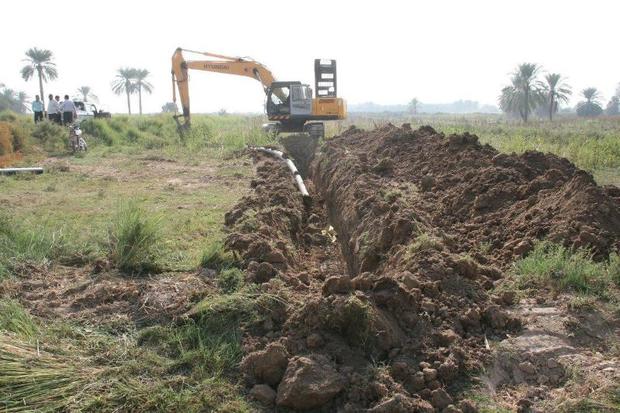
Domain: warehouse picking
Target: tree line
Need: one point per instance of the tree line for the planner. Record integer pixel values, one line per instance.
(40, 65)
(527, 94)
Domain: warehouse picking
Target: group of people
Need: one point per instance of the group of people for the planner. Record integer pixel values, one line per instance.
(62, 113)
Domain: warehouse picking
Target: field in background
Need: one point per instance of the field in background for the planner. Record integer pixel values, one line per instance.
(186, 185)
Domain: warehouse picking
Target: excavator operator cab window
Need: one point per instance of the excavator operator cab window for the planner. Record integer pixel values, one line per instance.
(279, 100)
(279, 95)
(301, 92)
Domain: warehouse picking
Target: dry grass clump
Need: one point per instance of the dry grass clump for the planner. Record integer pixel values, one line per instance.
(32, 379)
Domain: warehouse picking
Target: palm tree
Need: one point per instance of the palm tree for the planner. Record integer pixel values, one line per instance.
(20, 102)
(8, 99)
(557, 91)
(613, 107)
(592, 104)
(525, 92)
(86, 93)
(15, 101)
(142, 84)
(413, 106)
(39, 61)
(591, 94)
(124, 83)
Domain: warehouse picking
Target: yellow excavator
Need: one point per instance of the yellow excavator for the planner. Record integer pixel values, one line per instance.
(290, 105)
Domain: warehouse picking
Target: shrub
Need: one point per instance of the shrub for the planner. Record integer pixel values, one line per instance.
(53, 138)
(100, 130)
(6, 139)
(392, 196)
(134, 240)
(19, 137)
(230, 280)
(589, 109)
(8, 116)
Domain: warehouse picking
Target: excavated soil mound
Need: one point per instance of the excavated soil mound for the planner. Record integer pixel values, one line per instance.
(478, 197)
(391, 311)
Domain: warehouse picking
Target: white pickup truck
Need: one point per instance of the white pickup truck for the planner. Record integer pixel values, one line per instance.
(87, 110)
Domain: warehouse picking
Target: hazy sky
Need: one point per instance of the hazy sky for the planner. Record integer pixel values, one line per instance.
(387, 51)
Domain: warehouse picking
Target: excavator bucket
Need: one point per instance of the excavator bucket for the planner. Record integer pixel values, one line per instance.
(182, 126)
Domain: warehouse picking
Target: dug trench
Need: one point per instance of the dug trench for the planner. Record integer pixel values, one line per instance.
(385, 286)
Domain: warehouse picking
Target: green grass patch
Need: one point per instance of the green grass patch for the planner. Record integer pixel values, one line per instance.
(15, 319)
(566, 270)
(424, 242)
(200, 348)
(38, 244)
(230, 280)
(185, 366)
(239, 306)
(216, 134)
(216, 257)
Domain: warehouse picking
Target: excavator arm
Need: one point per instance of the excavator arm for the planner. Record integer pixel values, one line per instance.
(218, 63)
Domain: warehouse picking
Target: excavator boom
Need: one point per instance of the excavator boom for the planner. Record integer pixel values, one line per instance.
(221, 64)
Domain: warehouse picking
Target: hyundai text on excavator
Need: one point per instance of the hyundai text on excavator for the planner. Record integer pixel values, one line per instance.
(290, 106)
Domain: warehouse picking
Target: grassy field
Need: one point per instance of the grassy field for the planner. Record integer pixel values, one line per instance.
(180, 188)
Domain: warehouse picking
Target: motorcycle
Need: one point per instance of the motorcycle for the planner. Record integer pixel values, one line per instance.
(77, 142)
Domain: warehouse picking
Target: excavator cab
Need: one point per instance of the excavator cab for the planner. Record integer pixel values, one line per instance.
(289, 105)
(292, 100)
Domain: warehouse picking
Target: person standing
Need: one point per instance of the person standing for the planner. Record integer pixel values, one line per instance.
(69, 113)
(37, 109)
(57, 99)
(53, 110)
